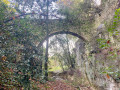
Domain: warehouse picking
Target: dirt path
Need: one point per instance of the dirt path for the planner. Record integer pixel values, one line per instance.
(56, 85)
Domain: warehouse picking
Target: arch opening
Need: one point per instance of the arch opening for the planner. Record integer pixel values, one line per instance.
(75, 35)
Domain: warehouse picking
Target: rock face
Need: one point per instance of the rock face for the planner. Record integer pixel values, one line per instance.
(99, 64)
(80, 50)
(108, 9)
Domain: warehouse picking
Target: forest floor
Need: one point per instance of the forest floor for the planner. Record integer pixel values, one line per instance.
(55, 82)
(56, 85)
(63, 81)
(61, 85)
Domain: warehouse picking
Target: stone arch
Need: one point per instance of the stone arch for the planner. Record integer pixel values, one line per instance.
(80, 44)
(62, 32)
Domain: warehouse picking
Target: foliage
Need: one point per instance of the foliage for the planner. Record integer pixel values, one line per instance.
(7, 80)
(79, 14)
(109, 49)
(62, 52)
(17, 43)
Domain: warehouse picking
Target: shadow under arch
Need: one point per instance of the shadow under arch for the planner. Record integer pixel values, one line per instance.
(61, 32)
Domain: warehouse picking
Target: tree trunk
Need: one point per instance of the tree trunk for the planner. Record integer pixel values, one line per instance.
(47, 41)
(41, 59)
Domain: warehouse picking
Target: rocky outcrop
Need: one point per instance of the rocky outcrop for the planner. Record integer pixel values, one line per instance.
(100, 65)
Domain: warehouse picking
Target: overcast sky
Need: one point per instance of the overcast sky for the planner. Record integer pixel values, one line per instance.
(97, 2)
